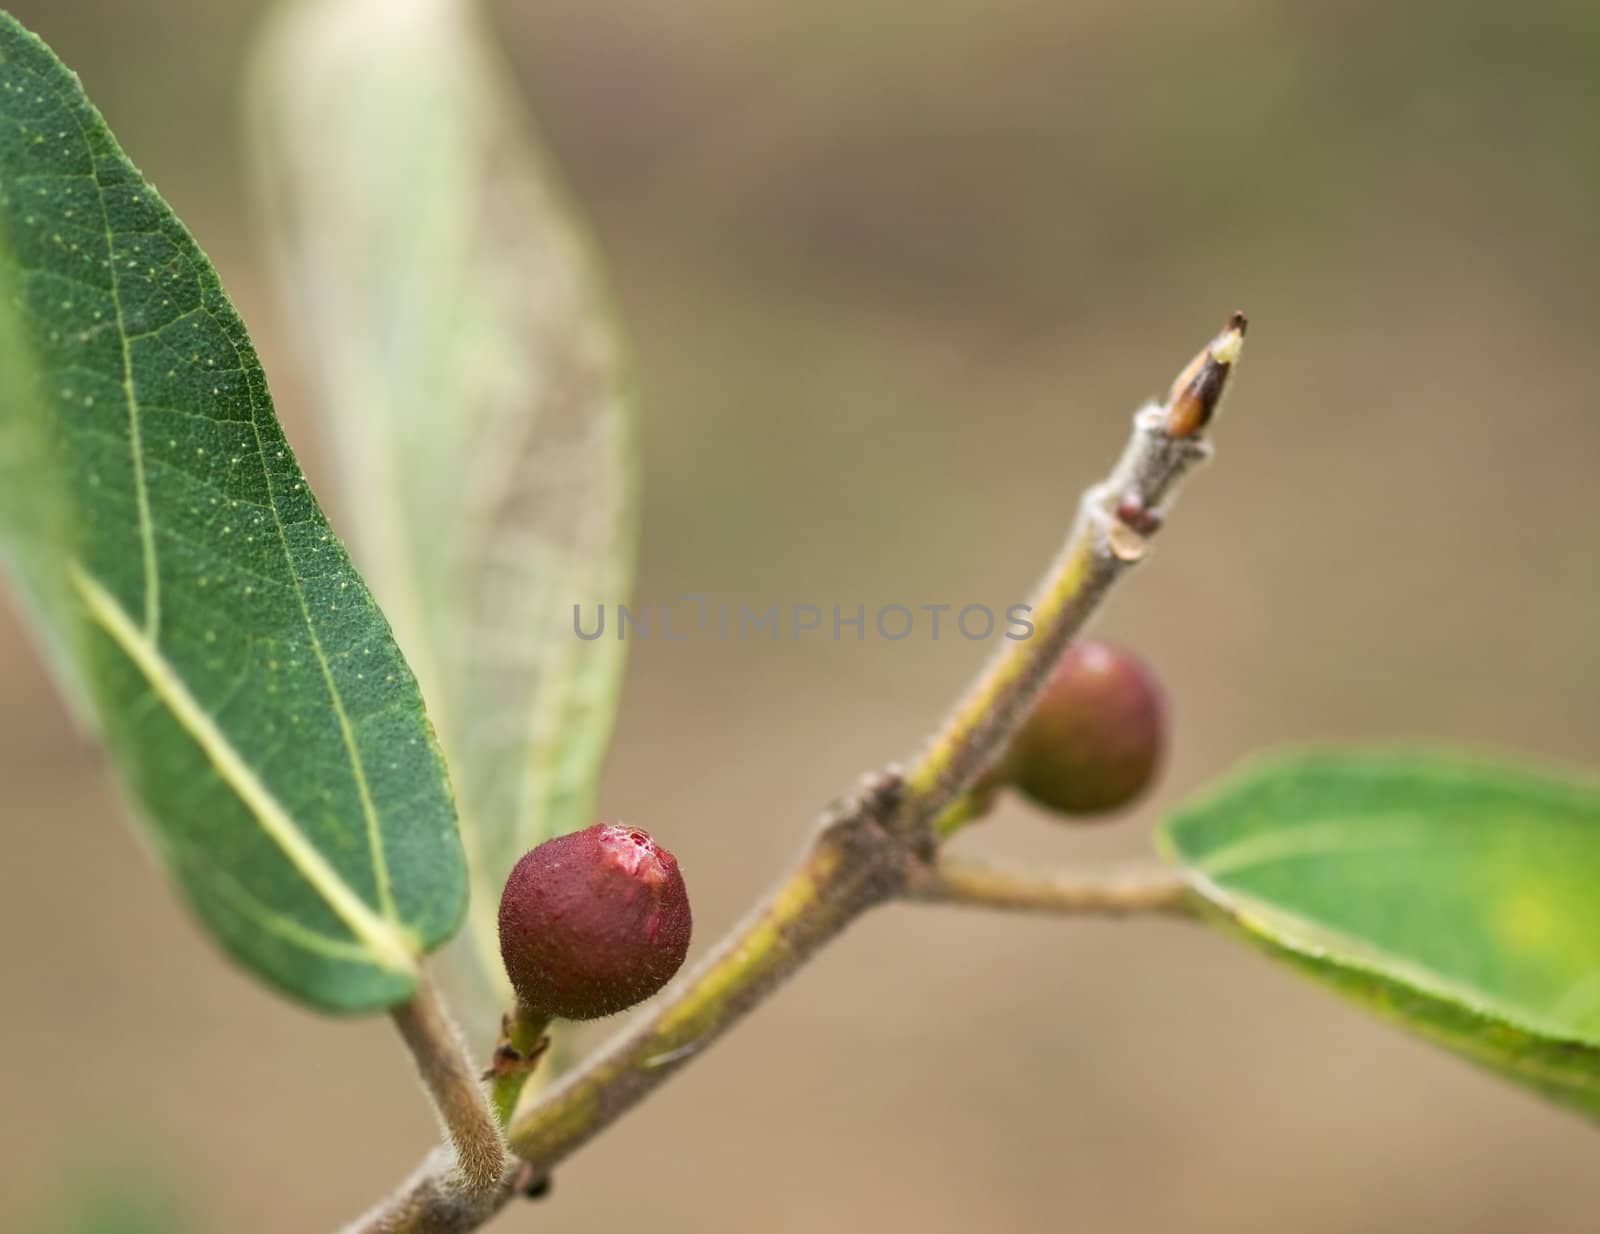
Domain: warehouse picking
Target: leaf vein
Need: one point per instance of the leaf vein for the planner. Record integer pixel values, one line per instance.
(386, 944)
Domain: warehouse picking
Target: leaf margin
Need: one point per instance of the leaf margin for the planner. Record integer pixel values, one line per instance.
(1562, 1066)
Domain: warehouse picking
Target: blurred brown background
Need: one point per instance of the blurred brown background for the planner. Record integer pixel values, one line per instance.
(896, 273)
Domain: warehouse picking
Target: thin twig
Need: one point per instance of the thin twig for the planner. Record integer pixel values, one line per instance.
(458, 1095)
(1116, 519)
(1150, 891)
(878, 845)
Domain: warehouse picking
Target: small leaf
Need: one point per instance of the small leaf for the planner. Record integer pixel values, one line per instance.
(193, 598)
(466, 362)
(1455, 895)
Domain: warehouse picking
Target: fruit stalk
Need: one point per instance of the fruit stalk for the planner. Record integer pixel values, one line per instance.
(523, 1042)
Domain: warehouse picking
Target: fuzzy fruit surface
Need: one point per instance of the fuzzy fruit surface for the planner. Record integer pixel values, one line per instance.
(593, 922)
(1096, 735)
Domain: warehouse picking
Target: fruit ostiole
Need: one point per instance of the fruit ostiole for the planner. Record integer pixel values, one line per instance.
(591, 923)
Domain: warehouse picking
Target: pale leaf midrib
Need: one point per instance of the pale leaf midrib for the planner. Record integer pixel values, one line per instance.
(283, 925)
(387, 946)
(1337, 837)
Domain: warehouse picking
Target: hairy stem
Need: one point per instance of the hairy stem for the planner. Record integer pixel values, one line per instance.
(452, 1082)
(879, 845)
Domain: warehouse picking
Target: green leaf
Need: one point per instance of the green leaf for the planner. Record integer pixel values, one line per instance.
(1455, 895)
(205, 618)
(465, 358)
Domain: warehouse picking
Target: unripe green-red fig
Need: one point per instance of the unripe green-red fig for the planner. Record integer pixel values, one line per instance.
(593, 922)
(1095, 736)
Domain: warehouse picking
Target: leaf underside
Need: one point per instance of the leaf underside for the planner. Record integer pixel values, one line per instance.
(192, 597)
(1454, 895)
(466, 360)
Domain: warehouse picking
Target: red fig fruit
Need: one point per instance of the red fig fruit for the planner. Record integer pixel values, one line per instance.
(593, 922)
(1095, 737)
